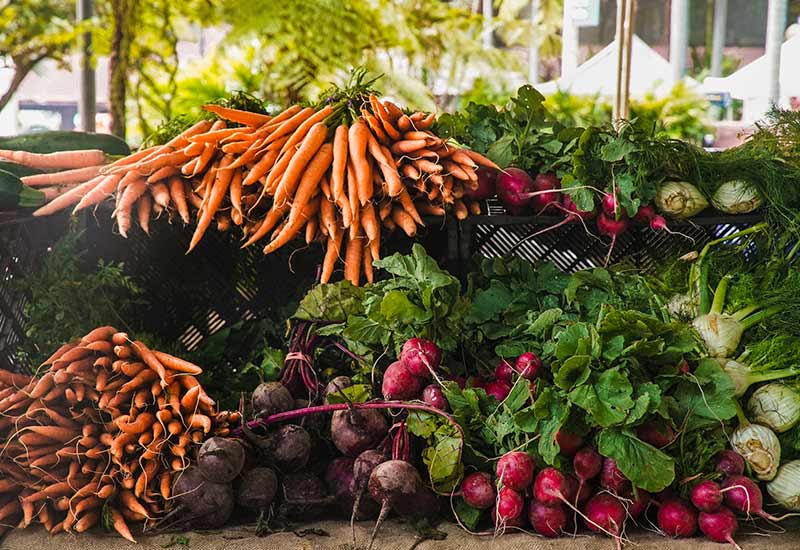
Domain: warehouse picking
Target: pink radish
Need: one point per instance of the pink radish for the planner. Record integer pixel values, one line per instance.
(645, 213)
(502, 523)
(550, 184)
(568, 442)
(515, 470)
(676, 518)
(572, 209)
(552, 487)
(656, 432)
(706, 496)
(478, 490)
(729, 462)
(743, 495)
(433, 396)
(509, 505)
(586, 464)
(498, 389)
(528, 365)
(610, 206)
(514, 188)
(719, 526)
(504, 371)
(613, 479)
(658, 223)
(421, 357)
(485, 188)
(549, 520)
(399, 383)
(605, 514)
(613, 228)
(639, 504)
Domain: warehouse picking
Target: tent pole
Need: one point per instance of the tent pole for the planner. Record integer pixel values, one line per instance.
(533, 45)
(87, 98)
(619, 39)
(630, 10)
(776, 24)
(718, 43)
(678, 38)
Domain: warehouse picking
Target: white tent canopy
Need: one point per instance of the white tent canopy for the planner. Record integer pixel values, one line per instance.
(752, 81)
(598, 76)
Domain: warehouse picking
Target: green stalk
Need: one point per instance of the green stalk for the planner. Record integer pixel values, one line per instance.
(760, 316)
(719, 295)
(741, 416)
(744, 312)
(773, 375)
(705, 298)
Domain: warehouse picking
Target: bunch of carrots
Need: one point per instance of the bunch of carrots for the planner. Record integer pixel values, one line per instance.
(101, 435)
(67, 169)
(310, 172)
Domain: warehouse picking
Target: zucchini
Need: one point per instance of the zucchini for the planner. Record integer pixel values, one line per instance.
(14, 194)
(18, 169)
(58, 140)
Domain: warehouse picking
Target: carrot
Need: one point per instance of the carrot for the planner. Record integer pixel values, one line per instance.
(305, 153)
(120, 338)
(408, 206)
(144, 207)
(118, 523)
(61, 160)
(129, 501)
(199, 421)
(137, 426)
(51, 491)
(426, 122)
(146, 376)
(404, 123)
(352, 196)
(43, 386)
(76, 175)
(261, 167)
(357, 138)
(214, 199)
(100, 333)
(291, 228)
(69, 198)
(236, 197)
(214, 136)
(163, 173)
(480, 159)
(312, 228)
(372, 229)
(152, 361)
(327, 216)
(238, 116)
(331, 254)
(56, 433)
(375, 126)
(408, 146)
(164, 485)
(367, 257)
(9, 509)
(177, 364)
(427, 166)
(352, 259)
(393, 110)
(299, 135)
(404, 220)
(384, 158)
(309, 182)
(16, 380)
(339, 161)
(279, 129)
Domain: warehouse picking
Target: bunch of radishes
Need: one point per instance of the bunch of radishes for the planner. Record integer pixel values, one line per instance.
(499, 384)
(408, 377)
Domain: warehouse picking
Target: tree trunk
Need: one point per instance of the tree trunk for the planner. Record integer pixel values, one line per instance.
(118, 63)
(21, 70)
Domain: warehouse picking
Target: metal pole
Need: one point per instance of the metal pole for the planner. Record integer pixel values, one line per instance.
(776, 24)
(570, 42)
(533, 45)
(619, 38)
(718, 44)
(625, 102)
(87, 97)
(488, 39)
(678, 38)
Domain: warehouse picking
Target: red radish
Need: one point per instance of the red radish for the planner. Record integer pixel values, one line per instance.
(504, 371)
(656, 432)
(460, 381)
(613, 479)
(487, 179)
(645, 213)
(528, 365)
(604, 513)
(743, 495)
(546, 201)
(706, 496)
(399, 383)
(659, 223)
(509, 504)
(568, 442)
(719, 526)
(676, 518)
(611, 207)
(729, 462)
(514, 188)
(476, 382)
(502, 523)
(552, 487)
(586, 464)
(684, 368)
(639, 504)
(583, 491)
(421, 357)
(515, 470)
(549, 520)
(498, 389)
(610, 227)
(478, 490)
(433, 396)
(572, 209)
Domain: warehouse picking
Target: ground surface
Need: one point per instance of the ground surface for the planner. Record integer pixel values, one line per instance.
(393, 536)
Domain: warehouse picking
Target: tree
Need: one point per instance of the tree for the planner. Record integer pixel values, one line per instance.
(32, 31)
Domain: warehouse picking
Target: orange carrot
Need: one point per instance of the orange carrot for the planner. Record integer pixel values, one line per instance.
(238, 116)
(100, 333)
(274, 216)
(61, 160)
(312, 228)
(339, 161)
(69, 198)
(261, 167)
(177, 194)
(367, 258)
(357, 138)
(278, 130)
(480, 159)
(352, 195)
(151, 360)
(199, 421)
(119, 525)
(76, 175)
(404, 220)
(128, 500)
(299, 135)
(177, 364)
(331, 254)
(215, 198)
(308, 148)
(291, 229)
(327, 214)
(163, 173)
(214, 135)
(408, 146)
(369, 221)
(352, 259)
(236, 197)
(309, 182)
(144, 207)
(408, 206)
(404, 123)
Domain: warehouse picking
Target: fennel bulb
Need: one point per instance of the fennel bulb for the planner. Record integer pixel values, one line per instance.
(680, 199)
(743, 376)
(736, 197)
(775, 405)
(760, 448)
(720, 332)
(785, 488)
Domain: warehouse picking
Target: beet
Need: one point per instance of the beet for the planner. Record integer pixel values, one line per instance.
(498, 389)
(568, 442)
(304, 496)
(433, 396)
(340, 480)
(421, 357)
(362, 469)
(514, 188)
(729, 462)
(706, 496)
(337, 385)
(202, 503)
(397, 485)
(289, 448)
(355, 431)
(257, 489)
(221, 459)
(549, 520)
(504, 371)
(612, 479)
(399, 383)
(271, 398)
(676, 518)
(478, 490)
(528, 365)
(515, 470)
(485, 189)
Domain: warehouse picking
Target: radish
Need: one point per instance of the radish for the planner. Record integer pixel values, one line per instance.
(658, 223)
(743, 495)
(613, 228)
(645, 213)
(719, 526)
(355, 431)
(568, 442)
(640, 503)
(586, 464)
(549, 520)
(676, 518)
(509, 505)
(729, 462)
(515, 470)
(613, 479)
(706, 496)
(572, 209)
(504, 371)
(399, 383)
(460, 381)
(503, 523)
(611, 207)
(552, 487)
(421, 357)
(498, 389)
(475, 382)
(478, 490)
(604, 513)
(514, 188)
(485, 188)
(528, 366)
(544, 202)
(656, 432)
(433, 396)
